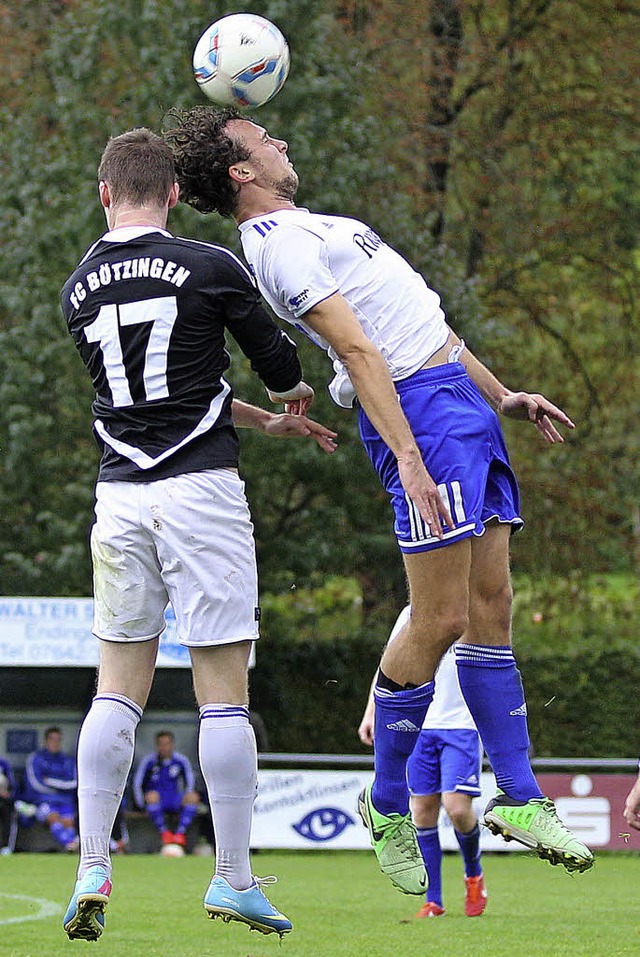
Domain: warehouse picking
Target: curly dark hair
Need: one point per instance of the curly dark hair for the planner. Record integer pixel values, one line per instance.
(203, 153)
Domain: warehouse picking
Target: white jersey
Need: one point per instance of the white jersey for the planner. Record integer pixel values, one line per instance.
(300, 258)
(448, 710)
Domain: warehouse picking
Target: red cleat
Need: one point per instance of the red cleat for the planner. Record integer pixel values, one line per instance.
(167, 837)
(180, 839)
(476, 897)
(430, 909)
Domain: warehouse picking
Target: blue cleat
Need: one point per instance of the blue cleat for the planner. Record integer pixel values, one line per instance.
(249, 906)
(84, 919)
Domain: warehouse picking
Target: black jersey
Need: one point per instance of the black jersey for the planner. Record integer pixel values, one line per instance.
(148, 313)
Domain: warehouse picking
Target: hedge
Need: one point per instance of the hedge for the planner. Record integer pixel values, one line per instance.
(576, 646)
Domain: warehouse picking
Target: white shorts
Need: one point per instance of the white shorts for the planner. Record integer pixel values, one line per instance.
(187, 540)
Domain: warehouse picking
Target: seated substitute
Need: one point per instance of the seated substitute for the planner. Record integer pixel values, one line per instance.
(7, 796)
(50, 785)
(164, 784)
(443, 769)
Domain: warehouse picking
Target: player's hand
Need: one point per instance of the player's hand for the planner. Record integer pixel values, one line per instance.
(631, 811)
(365, 731)
(297, 401)
(537, 409)
(423, 492)
(286, 425)
(298, 406)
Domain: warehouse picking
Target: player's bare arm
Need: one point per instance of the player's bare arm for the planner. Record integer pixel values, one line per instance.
(282, 425)
(631, 811)
(516, 405)
(365, 728)
(334, 321)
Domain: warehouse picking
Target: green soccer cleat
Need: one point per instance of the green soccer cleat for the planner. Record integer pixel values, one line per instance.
(394, 842)
(535, 823)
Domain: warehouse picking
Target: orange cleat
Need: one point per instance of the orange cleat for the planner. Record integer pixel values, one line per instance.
(430, 909)
(476, 897)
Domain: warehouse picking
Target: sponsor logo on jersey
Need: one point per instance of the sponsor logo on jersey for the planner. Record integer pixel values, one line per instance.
(369, 242)
(296, 301)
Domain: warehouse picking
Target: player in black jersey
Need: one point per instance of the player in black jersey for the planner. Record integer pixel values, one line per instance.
(148, 312)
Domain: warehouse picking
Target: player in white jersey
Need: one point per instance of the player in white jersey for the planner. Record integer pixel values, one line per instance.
(149, 312)
(443, 769)
(427, 421)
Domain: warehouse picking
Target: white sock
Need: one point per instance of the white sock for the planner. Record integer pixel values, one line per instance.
(105, 755)
(229, 764)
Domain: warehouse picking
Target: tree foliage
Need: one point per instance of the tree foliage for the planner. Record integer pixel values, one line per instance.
(492, 142)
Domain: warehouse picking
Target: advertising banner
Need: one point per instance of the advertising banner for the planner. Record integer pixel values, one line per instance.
(317, 809)
(56, 633)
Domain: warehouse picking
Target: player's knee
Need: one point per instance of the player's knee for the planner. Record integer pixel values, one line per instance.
(442, 628)
(453, 625)
(463, 821)
(494, 605)
(152, 797)
(425, 809)
(191, 797)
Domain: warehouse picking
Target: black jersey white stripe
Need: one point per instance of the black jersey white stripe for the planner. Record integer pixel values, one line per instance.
(148, 312)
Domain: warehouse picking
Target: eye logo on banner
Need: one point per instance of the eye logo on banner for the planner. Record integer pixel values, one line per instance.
(323, 824)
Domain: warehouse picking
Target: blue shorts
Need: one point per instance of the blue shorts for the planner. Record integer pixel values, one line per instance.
(64, 806)
(171, 803)
(463, 449)
(445, 760)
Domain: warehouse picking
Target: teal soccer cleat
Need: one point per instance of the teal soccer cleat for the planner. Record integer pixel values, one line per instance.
(84, 919)
(249, 906)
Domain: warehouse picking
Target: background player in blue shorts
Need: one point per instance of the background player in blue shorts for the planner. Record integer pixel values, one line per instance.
(164, 784)
(427, 415)
(443, 768)
(50, 784)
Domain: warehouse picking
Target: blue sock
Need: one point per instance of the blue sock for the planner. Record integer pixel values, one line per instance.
(69, 835)
(398, 720)
(156, 814)
(470, 847)
(429, 843)
(59, 832)
(492, 688)
(187, 814)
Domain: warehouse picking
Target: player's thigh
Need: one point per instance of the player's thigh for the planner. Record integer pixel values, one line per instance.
(129, 595)
(127, 668)
(439, 588)
(204, 539)
(438, 592)
(490, 592)
(220, 673)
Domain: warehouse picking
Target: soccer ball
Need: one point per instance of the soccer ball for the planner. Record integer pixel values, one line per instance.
(241, 60)
(172, 850)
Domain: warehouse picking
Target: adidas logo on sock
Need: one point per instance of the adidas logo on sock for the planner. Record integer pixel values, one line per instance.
(521, 711)
(404, 725)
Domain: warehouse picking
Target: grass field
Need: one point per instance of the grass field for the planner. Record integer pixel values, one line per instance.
(340, 905)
